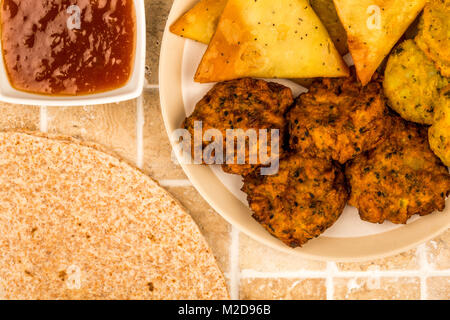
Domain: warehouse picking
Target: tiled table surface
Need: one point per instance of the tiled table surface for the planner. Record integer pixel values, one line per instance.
(134, 130)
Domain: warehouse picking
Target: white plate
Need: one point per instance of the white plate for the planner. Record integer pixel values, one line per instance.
(350, 239)
(131, 90)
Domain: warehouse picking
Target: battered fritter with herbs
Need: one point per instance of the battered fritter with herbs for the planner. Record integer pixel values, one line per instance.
(412, 83)
(243, 104)
(434, 34)
(305, 198)
(400, 178)
(338, 119)
(439, 133)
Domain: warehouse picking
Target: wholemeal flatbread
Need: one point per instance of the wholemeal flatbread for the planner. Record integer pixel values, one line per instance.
(76, 223)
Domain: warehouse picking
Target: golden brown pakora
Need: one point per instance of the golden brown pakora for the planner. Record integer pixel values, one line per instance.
(439, 133)
(304, 199)
(400, 178)
(434, 34)
(412, 83)
(338, 119)
(243, 104)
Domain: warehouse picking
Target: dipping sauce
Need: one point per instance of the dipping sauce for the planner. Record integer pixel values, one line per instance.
(68, 47)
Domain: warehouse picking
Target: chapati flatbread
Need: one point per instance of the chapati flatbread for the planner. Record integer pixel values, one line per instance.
(76, 223)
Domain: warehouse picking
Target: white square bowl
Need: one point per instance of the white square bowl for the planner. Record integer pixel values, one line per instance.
(132, 89)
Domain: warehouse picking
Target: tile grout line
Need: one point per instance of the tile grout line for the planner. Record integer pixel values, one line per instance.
(252, 274)
(43, 119)
(140, 122)
(304, 274)
(424, 268)
(151, 86)
(235, 276)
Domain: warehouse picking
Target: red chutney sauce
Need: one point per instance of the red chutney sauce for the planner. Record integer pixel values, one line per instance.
(68, 47)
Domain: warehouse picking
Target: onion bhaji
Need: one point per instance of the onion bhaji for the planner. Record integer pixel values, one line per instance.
(244, 104)
(412, 83)
(439, 133)
(338, 119)
(434, 31)
(305, 198)
(400, 178)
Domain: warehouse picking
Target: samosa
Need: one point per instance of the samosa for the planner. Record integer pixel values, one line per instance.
(270, 39)
(200, 22)
(373, 28)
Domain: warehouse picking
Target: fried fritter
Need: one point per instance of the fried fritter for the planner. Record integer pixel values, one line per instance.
(338, 119)
(301, 202)
(243, 104)
(434, 34)
(439, 133)
(412, 83)
(400, 178)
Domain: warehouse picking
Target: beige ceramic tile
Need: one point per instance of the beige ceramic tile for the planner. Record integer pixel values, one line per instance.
(439, 251)
(438, 288)
(215, 229)
(283, 289)
(157, 12)
(112, 126)
(158, 161)
(376, 288)
(258, 257)
(18, 117)
(404, 261)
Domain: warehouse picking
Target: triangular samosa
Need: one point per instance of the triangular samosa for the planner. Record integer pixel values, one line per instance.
(373, 28)
(270, 39)
(200, 22)
(327, 13)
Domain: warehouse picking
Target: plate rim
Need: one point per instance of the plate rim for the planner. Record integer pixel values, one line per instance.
(344, 249)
